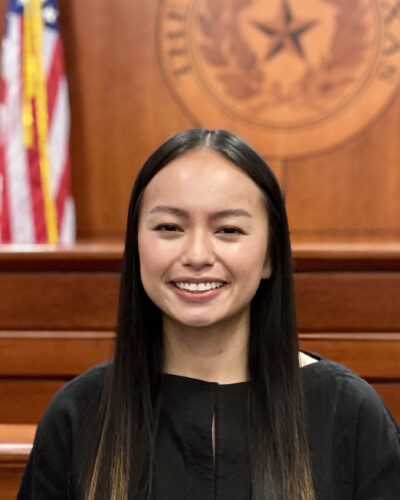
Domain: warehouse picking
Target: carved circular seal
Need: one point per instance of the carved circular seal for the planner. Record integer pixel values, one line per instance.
(295, 77)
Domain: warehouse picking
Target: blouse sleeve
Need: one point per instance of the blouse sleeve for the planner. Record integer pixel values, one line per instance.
(47, 474)
(377, 469)
(61, 445)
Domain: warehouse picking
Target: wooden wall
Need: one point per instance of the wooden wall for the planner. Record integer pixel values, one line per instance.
(340, 174)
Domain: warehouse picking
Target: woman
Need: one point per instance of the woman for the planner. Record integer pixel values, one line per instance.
(204, 396)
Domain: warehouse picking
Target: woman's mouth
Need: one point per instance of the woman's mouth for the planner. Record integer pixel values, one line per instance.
(198, 292)
(198, 287)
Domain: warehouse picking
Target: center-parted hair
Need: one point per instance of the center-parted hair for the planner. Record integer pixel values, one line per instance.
(122, 460)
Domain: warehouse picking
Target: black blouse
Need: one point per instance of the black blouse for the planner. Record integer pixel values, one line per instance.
(185, 437)
(354, 441)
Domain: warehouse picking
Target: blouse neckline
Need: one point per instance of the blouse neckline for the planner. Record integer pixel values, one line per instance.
(190, 380)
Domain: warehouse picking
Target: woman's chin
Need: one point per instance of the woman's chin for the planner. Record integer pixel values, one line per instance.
(194, 321)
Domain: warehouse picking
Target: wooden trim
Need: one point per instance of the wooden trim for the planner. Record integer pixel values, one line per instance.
(95, 256)
(80, 251)
(353, 336)
(107, 255)
(374, 356)
(15, 443)
(18, 335)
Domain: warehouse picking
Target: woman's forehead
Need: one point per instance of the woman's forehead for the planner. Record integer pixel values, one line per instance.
(203, 178)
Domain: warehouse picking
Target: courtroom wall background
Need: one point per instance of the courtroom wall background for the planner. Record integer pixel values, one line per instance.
(313, 85)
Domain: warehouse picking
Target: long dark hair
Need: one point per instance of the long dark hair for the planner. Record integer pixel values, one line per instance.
(124, 453)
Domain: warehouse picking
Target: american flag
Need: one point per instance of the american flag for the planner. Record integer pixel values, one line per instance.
(36, 205)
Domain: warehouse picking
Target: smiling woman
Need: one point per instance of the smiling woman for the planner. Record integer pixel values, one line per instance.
(208, 397)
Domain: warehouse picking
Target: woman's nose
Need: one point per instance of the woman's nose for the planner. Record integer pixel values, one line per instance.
(198, 250)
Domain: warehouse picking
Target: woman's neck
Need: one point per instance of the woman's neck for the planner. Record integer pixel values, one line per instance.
(214, 354)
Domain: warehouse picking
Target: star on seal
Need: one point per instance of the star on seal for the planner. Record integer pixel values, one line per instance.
(285, 32)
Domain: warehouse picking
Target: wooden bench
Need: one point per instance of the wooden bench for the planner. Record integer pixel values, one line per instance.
(15, 446)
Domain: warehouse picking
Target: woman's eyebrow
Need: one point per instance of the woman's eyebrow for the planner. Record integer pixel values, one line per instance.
(229, 212)
(167, 209)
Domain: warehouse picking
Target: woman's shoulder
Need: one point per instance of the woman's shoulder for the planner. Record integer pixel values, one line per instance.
(79, 396)
(333, 391)
(351, 431)
(336, 382)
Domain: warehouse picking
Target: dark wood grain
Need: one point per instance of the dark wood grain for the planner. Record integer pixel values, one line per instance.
(390, 393)
(340, 301)
(10, 479)
(59, 300)
(52, 354)
(23, 401)
(88, 301)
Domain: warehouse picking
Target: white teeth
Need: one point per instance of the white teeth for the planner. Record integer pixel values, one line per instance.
(199, 287)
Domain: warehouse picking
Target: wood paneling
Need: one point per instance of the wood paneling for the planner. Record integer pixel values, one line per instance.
(348, 301)
(52, 354)
(88, 301)
(350, 193)
(10, 479)
(25, 400)
(58, 300)
(371, 355)
(390, 393)
(122, 108)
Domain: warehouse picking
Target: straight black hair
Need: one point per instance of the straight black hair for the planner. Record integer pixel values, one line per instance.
(123, 456)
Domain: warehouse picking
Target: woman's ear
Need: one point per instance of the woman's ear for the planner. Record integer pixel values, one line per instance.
(267, 269)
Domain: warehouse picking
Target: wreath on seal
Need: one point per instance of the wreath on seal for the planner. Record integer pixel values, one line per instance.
(244, 76)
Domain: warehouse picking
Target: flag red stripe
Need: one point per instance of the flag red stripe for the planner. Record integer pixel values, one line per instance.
(63, 191)
(36, 185)
(35, 182)
(54, 77)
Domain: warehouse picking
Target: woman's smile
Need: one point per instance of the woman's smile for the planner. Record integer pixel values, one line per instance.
(198, 292)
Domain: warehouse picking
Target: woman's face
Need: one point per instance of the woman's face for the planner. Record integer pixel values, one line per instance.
(203, 233)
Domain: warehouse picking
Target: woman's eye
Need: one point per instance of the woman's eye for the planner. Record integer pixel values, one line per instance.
(167, 228)
(230, 230)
